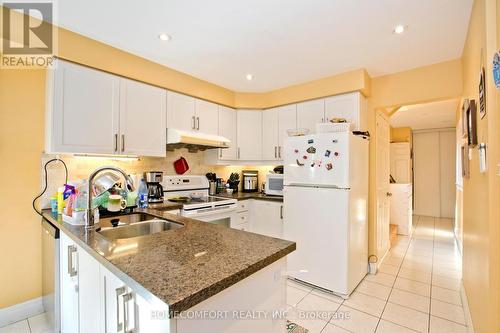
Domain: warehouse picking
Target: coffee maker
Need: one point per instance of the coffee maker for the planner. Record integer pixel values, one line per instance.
(250, 180)
(155, 190)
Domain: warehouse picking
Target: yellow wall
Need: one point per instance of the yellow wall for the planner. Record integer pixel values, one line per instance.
(22, 97)
(481, 259)
(401, 134)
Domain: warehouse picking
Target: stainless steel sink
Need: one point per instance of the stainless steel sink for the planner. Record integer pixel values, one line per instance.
(134, 225)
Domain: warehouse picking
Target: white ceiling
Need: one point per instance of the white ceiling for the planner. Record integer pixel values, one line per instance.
(280, 42)
(426, 116)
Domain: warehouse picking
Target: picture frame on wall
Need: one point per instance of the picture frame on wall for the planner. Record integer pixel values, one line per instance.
(471, 117)
(465, 161)
(465, 107)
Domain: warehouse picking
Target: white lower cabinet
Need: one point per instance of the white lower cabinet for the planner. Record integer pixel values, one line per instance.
(69, 285)
(266, 218)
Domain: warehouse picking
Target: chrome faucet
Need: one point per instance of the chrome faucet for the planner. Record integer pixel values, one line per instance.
(89, 221)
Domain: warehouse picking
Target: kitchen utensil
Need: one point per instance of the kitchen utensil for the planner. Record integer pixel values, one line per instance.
(181, 166)
(212, 189)
(116, 203)
(104, 182)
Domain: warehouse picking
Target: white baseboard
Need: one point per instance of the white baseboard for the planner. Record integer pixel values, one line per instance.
(465, 305)
(21, 311)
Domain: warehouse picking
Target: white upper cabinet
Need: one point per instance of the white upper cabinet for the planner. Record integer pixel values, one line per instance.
(207, 117)
(287, 120)
(249, 131)
(310, 113)
(82, 110)
(143, 112)
(227, 129)
(351, 106)
(270, 133)
(180, 111)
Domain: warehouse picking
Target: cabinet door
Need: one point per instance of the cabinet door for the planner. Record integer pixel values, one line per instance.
(142, 119)
(270, 134)
(180, 112)
(266, 218)
(287, 119)
(91, 316)
(310, 113)
(112, 297)
(207, 117)
(249, 131)
(83, 110)
(345, 106)
(69, 285)
(227, 129)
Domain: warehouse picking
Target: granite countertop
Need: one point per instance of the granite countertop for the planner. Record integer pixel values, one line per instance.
(251, 195)
(181, 267)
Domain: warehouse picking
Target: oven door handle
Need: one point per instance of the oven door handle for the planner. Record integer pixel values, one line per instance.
(213, 211)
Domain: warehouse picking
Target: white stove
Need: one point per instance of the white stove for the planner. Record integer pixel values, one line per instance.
(207, 208)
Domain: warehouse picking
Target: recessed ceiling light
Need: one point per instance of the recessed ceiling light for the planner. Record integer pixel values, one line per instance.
(249, 77)
(399, 29)
(164, 37)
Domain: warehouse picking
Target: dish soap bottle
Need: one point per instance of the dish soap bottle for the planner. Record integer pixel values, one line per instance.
(142, 195)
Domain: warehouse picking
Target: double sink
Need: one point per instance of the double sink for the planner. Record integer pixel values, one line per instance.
(134, 225)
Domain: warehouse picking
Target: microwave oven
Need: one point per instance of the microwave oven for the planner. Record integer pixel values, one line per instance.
(274, 184)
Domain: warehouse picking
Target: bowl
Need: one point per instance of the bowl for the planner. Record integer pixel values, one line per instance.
(196, 195)
(298, 132)
(229, 191)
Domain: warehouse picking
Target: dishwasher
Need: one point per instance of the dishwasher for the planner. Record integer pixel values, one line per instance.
(50, 275)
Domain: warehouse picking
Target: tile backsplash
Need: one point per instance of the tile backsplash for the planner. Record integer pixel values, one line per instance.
(80, 167)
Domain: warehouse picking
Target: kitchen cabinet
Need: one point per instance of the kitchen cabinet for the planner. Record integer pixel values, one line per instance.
(82, 112)
(207, 117)
(287, 120)
(249, 135)
(266, 218)
(180, 111)
(143, 111)
(69, 285)
(270, 134)
(92, 112)
(310, 113)
(351, 107)
(227, 129)
(90, 316)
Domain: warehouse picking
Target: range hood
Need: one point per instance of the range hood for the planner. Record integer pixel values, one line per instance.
(194, 141)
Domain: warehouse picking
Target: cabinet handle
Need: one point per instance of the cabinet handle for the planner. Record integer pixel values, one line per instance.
(116, 141)
(279, 151)
(119, 291)
(71, 269)
(127, 298)
(281, 212)
(198, 121)
(275, 152)
(123, 143)
(220, 152)
(194, 122)
(238, 152)
(322, 120)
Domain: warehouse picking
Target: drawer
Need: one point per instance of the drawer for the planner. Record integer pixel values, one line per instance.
(243, 227)
(241, 218)
(243, 205)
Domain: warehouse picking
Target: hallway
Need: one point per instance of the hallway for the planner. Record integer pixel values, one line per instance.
(416, 289)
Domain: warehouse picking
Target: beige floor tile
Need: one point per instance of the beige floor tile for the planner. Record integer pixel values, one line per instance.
(40, 324)
(385, 326)
(446, 295)
(381, 278)
(294, 295)
(415, 275)
(406, 317)
(329, 296)
(439, 325)
(449, 273)
(354, 320)
(312, 325)
(365, 303)
(415, 287)
(388, 269)
(444, 282)
(393, 260)
(324, 308)
(19, 327)
(299, 285)
(374, 289)
(448, 311)
(410, 300)
(334, 329)
(417, 266)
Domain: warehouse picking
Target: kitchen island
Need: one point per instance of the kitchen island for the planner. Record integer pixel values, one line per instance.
(184, 272)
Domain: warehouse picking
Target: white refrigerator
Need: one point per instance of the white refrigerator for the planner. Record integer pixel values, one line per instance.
(326, 208)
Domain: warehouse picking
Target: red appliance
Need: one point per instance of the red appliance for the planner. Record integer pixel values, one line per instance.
(181, 166)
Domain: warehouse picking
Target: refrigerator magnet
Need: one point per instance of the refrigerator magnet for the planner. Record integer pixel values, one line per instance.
(313, 164)
(327, 153)
(299, 163)
(329, 166)
(336, 154)
(311, 150)
(296, 151)
(304, 157)
(310, 141)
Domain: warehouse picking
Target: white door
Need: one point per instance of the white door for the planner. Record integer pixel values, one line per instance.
(401, 162)
(90, 289)
(249, 133)
(427, 173)
(447, 165)
(382, 184)
(310, 113)
(317, 220)
(180, 112)
(343, 106)
(266, 218)
(207, 117)
(85, 110)
(270, 134)
(287, 120)
(143, 112)
(227, 129)
(69, 285)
